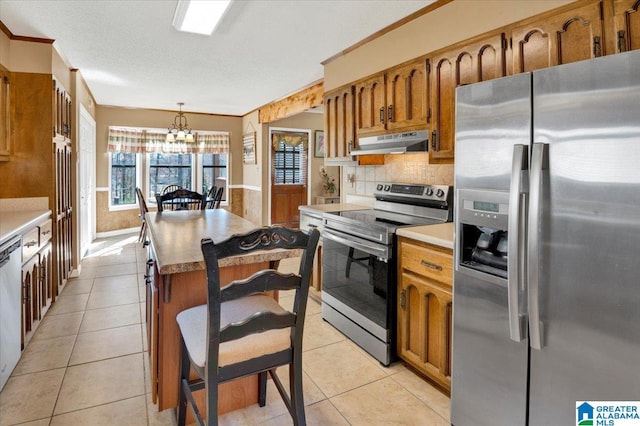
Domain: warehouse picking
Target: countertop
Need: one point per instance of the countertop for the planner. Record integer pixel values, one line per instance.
(176, 235)
(15, 223)
(439, 235)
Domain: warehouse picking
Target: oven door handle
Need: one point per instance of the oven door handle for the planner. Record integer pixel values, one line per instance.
(382, 252)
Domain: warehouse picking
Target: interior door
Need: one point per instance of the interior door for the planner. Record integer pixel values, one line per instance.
(289, 168)
(285, 200)
(86, 182)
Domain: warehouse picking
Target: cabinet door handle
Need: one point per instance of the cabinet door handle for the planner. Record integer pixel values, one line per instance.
(31, 244)
(597, 47)
(431, 265)
(390, 113)
(27, 292)
(434, 141)
(403, 299)
(622, 43)
(46, 232)
(381, 115)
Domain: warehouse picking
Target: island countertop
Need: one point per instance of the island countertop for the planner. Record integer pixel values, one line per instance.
(176, 235)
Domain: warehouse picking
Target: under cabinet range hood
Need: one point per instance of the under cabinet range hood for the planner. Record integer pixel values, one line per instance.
(397, 143)
(349, 160)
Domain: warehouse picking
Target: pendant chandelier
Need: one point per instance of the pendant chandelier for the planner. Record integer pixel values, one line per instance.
(180, 130)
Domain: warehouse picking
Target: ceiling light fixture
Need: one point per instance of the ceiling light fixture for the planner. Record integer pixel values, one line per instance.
(180, 130)
(199, 16)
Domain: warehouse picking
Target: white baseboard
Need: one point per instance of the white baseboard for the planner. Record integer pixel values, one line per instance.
(117, 232)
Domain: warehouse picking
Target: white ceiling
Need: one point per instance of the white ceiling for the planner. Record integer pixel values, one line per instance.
(131, 56)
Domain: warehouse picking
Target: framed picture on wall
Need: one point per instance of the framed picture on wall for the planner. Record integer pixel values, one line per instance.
(249, 148)
(319, 144)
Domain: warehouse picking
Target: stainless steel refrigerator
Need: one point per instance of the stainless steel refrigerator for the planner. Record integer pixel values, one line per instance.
(546, 307)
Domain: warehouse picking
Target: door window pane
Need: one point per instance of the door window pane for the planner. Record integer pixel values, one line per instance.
(287, 164)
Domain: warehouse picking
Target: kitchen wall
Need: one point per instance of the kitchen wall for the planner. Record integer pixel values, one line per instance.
(444, 26)
(137, 117)
(310, 121)
(251, 191)
(408, 168)
(255, 188)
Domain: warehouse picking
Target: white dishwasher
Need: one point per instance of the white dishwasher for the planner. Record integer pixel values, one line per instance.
(10, 307)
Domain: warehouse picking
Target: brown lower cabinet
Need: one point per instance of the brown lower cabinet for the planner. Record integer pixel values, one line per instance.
(37, 279)
(425, 275)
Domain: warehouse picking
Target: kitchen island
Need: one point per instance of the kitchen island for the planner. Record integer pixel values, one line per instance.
(176, 280)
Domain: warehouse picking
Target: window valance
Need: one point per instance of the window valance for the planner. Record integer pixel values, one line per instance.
(130, 139)
(289, 138)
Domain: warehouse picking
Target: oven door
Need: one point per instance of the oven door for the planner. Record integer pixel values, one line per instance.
(358, 291)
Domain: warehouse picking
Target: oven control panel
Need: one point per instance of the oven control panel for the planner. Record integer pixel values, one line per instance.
(429, 192)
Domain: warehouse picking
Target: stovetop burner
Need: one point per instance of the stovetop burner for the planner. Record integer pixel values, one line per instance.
(384, 219)
(396, 205)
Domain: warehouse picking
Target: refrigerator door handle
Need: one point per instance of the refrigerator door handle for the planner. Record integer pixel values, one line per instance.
(539, 163)
(517, 247)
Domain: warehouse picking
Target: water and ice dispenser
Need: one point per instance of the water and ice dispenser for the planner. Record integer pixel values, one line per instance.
(482, 218)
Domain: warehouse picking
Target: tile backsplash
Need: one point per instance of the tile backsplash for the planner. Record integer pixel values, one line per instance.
(405, 168)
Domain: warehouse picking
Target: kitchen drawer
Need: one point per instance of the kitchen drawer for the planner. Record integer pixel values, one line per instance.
(45, 233)
(427, 260)
(327, 200)
(30, 243)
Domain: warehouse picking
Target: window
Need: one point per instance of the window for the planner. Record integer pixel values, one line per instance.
(124, 179)
(214, 172)
(195, 166)
(289, 164)
(169, 169)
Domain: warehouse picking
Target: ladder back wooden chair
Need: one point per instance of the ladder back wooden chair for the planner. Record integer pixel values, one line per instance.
(143, 209)
(170, 188)
(214, 197)
(241, 330)
(181, 199)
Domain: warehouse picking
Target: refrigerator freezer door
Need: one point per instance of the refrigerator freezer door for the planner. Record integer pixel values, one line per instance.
(589, 232)
(491, 117)
(489, 370)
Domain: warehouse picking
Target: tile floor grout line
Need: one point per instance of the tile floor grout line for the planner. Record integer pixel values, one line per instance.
(420, 399)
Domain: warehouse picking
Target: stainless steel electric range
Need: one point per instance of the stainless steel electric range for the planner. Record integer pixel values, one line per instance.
(359, 261)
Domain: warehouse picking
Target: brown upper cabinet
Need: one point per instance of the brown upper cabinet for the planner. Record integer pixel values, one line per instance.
(626, 22)
(339, 127)
(5, 116)
(407, 96)
(61, 111)
(394, 100)
(477, 60)
(558, 39)
(338, 122)
(420, 93)
(371, 105)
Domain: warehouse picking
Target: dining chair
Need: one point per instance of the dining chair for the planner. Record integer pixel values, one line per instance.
(211, 195)
(181, 199)
(170, 188)
(143, 209)
(242, 331)
(218, 198)
(214, 197)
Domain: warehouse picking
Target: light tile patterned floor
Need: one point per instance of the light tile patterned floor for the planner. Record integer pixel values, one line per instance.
(87, 363)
